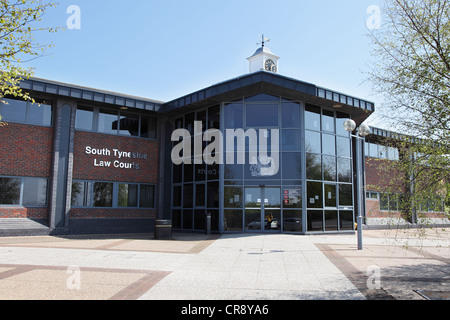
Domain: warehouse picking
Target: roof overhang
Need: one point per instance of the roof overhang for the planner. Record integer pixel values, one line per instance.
(274, 84)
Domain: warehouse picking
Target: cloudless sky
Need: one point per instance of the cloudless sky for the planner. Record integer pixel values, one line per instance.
(168, 48)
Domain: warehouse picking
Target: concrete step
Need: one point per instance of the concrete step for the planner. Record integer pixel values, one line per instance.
(22, 227)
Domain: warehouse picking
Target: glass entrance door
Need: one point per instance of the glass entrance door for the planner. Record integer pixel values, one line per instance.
(262, 209)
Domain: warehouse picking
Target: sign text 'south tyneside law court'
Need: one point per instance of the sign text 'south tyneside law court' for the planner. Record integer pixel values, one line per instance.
(121, 159)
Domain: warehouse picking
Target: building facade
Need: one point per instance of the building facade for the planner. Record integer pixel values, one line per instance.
(91, 161)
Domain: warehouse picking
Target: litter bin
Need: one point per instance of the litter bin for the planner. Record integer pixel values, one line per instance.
(163, 229)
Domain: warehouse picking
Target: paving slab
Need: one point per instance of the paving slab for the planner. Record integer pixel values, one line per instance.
(228, 267)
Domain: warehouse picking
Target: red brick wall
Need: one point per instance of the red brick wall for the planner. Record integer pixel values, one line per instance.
(25, 151)
(384, 176)
(101, 213)
(19, 212)
(84, 168)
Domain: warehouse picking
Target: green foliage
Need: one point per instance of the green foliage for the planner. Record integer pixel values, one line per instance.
(412, 72)
(19, 23)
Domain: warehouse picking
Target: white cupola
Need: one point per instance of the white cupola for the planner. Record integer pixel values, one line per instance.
(263, 59)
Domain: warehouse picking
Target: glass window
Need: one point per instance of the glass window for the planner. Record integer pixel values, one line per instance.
(201, 116)
(200, 172)
(328, 121)
(84, 118)
(103, 194)
(312, 142)
(200, 199)
(331, 220)
(382, 152)
(315, 220)
(232, 220)
(129, 125)
(313, 166)
(346, 220)
(188, 173)
(373, 150)
(233, 171)
(81, 194)
(234, 116)
(10, 191)
(344, 170)
(292, 221)
(290, 140)
(292, 165)
(329, 168)
(199, 219)
(177, 196)
(34, 192)
(128, 195)
(384, 202)
(292, 197)
(40, 115)
(14, 110)
(329, 144)
(213, 195)
(232, 197)
(188, 196)
(147, 196)
(176, 219)
(290, 115)
(148, 127)
(187, 219)
(343, 147)
(261, 115)
(214, 117)
(345, 195)
(107, 122)
(314, 194)
(189, 122)
(340, 119)
(330, 195)
(312, 118)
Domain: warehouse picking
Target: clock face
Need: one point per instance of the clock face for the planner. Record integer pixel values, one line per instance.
(271, 66)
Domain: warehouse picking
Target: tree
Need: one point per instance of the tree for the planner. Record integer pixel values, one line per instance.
(412, 72)
(19, 23)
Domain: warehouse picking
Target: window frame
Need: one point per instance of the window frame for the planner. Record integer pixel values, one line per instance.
(22, 190)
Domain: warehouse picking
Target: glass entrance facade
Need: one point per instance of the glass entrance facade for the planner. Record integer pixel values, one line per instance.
(293, 173)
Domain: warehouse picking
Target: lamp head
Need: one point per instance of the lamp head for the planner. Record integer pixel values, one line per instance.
(364, 130)
(349, 125)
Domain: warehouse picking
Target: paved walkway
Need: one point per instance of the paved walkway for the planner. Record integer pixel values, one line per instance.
(394, 264)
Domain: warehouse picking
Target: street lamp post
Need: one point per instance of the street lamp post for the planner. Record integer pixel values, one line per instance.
(362, 132)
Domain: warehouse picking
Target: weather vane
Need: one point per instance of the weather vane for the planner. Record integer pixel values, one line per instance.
(263, 41)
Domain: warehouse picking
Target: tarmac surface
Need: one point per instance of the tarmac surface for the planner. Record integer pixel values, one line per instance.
(411, 264)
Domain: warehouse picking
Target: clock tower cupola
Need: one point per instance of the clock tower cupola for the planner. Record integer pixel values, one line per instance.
(263, 59)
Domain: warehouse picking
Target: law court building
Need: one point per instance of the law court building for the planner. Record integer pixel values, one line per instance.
(92, 161)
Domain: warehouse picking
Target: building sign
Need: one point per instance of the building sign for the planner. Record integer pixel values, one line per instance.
(292, 196)
(120, 159)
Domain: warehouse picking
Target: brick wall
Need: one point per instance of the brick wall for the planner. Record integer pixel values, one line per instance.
(102, 213)
(384, 176)
(84, 168)
(25, 151)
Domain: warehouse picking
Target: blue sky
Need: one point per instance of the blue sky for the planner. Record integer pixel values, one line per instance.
(165, 49)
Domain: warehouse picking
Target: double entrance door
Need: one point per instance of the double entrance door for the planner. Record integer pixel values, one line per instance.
(262, 209)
